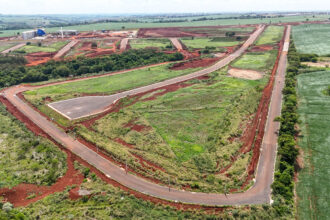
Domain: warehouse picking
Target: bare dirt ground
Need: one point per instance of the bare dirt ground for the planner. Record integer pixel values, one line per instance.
(179, 31)
(245, 74)
(194, 63)
(123, 44)
(34, 59)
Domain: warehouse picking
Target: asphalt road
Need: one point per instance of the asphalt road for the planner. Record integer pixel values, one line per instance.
(89, 105)
(65, 49)
(257, 194)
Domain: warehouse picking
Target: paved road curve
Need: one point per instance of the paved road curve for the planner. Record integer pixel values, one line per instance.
(90, 105)
(259, 193)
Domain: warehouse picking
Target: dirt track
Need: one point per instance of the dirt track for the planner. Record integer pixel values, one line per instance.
(259, 193)
(123, 44)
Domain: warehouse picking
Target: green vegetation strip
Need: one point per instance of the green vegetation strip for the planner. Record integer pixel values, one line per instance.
(198, 43)
(259, 61)
(272, 35)
(143, 43)
(35, 48)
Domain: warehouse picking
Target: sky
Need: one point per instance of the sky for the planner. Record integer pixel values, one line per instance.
(156, 6)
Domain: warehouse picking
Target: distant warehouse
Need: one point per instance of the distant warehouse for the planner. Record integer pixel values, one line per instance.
(68, 32)
(33, 33)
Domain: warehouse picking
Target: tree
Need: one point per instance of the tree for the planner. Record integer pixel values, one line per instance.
(62, 70)
(7, 207)
(94, 45)
(123, 27)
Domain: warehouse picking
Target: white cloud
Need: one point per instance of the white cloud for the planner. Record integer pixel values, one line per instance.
(155, 6)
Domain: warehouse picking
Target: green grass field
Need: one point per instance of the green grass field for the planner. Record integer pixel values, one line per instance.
(259, 61)
(114, 83)
(272, 35)
(25, 158)
(188, 131)
(44, 48)
(198, 43)
(314, 111)
(312, 38)
(132, 25)
(143, 43)
(5, 46)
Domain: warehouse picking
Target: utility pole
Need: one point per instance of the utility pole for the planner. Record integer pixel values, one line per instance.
(126, 166)
(169, 184)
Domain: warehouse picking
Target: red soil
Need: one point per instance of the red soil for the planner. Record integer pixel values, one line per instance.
(18, 194)
(124, 143)
(136, 127)
(38, 58)
(179, 31)
(194, 63)
(261, 48)
(154, 167)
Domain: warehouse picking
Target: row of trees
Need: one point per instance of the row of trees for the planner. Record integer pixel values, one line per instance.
(283, 182)
(13, 71)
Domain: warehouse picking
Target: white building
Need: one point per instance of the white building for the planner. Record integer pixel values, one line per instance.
(29, 34)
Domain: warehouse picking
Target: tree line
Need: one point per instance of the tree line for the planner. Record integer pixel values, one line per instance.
(13, 71)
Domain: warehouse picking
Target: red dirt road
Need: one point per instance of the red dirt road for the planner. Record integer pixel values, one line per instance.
(259, 193)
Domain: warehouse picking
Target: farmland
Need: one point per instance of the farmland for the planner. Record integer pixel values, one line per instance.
(314, 107)
(155, 43)
(136, 25)
(273, 34)
(312, 38)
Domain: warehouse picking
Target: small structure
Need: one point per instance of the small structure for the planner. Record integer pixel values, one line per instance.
(29, 34)
(40, 32)
(68, 32)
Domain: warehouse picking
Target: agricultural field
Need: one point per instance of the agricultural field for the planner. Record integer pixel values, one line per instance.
(312, 38)
(259, 61)
(48, 47)
(203, 42)
(272, 35)
(25, 158)
(314, 109)
(136, 25)
(154, 43)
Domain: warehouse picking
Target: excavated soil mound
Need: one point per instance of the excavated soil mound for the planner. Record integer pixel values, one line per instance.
(38, 58)
(245, 74)
(194, 64)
